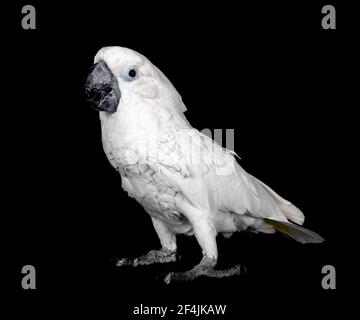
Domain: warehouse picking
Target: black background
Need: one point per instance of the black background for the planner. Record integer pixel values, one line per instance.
(268, 70)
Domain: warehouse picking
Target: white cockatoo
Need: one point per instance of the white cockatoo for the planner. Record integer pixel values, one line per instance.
(185, 181)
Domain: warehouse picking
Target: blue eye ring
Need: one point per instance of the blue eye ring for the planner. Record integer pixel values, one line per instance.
(129, 74)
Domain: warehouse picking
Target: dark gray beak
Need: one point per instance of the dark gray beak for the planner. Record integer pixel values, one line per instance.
(102, 89)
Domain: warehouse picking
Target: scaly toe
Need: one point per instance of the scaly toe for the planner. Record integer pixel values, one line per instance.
(124, 262)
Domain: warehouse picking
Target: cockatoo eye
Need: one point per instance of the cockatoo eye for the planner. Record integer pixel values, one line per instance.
(129, 74)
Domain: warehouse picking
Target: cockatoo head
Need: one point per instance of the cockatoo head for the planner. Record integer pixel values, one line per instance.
(121, 76)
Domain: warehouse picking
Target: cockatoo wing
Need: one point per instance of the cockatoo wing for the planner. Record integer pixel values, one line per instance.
(209, 176)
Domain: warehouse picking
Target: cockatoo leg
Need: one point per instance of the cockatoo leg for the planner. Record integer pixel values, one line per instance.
(205, 234)
(166, 254)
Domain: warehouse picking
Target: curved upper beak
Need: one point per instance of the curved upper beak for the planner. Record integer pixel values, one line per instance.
(102, 89)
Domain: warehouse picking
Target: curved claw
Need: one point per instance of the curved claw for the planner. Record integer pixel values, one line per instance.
(167, 278)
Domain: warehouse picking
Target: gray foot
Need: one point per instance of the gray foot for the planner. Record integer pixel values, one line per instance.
(204, 268)
(154, 256)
